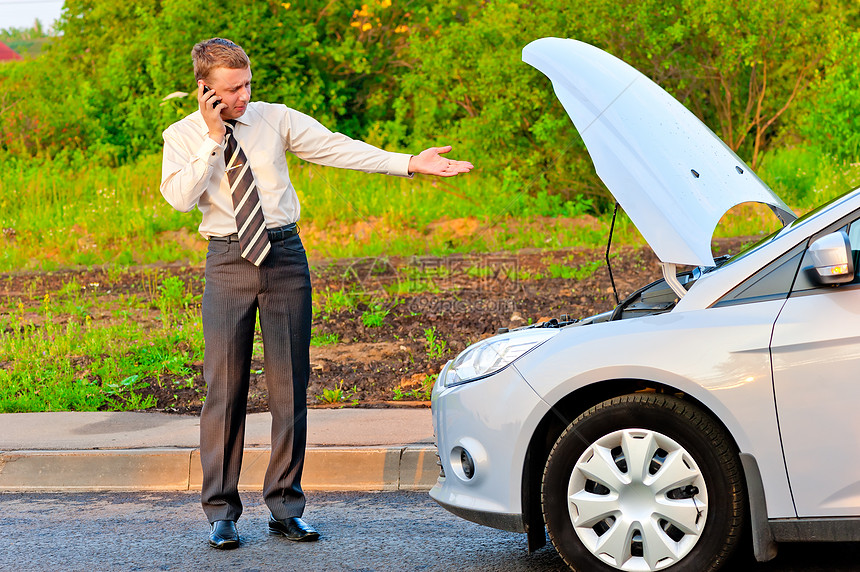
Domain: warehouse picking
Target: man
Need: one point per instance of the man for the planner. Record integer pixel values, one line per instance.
(228, 159)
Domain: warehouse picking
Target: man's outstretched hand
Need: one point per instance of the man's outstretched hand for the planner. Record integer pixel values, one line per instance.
(431, 162)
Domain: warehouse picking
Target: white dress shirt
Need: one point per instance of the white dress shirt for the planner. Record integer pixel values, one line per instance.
(193, 166)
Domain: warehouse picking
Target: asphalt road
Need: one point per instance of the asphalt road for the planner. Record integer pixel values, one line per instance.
(360, 532)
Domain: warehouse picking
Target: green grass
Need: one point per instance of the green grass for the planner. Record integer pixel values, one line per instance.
(334, 301)
(329, 339)
(80, 349)
(412, 286)
(578, 272)
(436, 346)
(338, 395)
(420, 393)
(56, 215)
(374, 315)
(82, 367)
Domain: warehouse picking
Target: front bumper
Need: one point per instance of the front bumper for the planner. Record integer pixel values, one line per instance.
(509, 522)
(492, 420)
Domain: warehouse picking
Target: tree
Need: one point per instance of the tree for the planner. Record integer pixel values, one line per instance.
(398, 73)
(739, 65)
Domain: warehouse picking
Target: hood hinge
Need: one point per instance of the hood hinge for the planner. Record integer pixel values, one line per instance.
(670, 274)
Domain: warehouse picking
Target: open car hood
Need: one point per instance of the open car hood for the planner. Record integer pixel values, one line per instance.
(667, 170)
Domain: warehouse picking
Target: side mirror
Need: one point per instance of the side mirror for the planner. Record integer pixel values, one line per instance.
(831, 259)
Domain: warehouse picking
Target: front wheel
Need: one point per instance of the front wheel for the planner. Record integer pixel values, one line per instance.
(644, 482)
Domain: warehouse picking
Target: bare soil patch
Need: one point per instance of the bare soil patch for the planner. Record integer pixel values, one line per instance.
(458, 299)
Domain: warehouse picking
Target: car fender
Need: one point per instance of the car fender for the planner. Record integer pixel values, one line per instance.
(719, 357)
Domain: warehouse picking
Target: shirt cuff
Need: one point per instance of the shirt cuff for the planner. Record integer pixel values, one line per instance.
(208, 149)
(398, 165)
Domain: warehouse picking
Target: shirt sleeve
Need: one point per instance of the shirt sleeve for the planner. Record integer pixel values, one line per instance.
(308, 139)
(185, 173)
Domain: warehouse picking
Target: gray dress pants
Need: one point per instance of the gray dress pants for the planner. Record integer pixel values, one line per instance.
(280, 289)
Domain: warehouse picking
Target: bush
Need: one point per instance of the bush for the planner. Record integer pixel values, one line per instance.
(424, 72)
(830, 120)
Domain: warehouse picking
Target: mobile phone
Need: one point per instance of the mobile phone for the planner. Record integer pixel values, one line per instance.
(214, 103)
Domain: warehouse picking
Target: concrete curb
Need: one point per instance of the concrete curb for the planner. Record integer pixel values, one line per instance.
(371, 468)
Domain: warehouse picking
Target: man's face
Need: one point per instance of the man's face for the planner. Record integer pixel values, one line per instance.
(233, 86)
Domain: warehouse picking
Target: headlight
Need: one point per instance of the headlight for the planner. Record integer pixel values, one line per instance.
(489, 356)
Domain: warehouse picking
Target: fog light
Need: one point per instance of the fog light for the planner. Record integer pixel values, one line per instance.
(467, 463)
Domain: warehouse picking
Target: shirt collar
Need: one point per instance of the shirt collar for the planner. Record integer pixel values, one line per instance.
(246, 119)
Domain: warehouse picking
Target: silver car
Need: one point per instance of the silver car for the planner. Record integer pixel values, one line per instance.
(711, 404)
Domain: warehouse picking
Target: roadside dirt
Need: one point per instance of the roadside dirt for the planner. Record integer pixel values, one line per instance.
(428, 309)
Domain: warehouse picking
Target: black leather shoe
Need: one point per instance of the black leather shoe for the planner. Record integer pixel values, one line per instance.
(293, 528)
(224, 535)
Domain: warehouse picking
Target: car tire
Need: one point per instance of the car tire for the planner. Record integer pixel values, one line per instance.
(644, 482)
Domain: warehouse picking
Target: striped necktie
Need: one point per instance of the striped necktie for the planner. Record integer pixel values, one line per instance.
(253, 238)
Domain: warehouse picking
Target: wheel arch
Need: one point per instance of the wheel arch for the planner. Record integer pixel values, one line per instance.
(568, 408)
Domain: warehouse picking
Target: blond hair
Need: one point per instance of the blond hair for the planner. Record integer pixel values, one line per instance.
(217, 53)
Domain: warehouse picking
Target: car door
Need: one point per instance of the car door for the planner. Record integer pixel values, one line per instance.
(816, 374)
